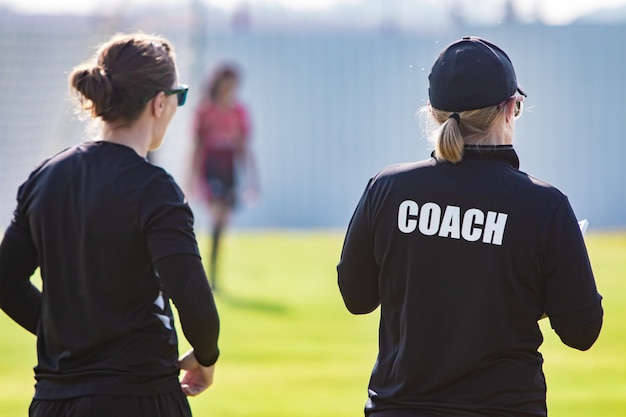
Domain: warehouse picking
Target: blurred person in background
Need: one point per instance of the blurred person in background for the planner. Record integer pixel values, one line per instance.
(222, 158)
(113, 237)
(464, 254)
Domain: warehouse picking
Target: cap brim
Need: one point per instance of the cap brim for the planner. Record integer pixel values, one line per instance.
(521, 91)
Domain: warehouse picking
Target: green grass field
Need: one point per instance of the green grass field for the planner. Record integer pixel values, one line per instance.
(290, 349)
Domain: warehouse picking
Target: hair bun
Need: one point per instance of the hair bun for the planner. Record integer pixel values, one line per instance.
(94, 88)
(126, 70)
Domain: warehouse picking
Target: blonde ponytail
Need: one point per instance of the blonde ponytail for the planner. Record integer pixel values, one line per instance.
(450, 132)
(449, 146)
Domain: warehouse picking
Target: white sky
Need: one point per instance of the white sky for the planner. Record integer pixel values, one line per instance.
(552, 11)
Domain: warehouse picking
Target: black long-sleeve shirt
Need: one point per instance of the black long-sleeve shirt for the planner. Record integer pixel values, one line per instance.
(463, 260)
(113, 238)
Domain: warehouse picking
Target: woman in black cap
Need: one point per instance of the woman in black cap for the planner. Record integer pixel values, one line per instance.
(113, 237)
(465, 254)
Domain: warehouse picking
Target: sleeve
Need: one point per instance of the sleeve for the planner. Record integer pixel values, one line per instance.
(572, 301)
(185, 283)
(244, 122)
(167, 220)
(357, 271)
(19, 298)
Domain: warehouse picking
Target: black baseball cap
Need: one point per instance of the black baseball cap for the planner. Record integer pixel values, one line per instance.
(469, 74)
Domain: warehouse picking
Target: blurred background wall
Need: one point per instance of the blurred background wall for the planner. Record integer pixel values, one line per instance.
(332, 100)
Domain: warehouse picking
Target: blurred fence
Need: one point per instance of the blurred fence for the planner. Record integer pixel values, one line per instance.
(331, 109)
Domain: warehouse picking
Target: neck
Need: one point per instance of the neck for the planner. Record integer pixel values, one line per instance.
(135, 136)
(225, 101)
(492, 140)
(501, 134)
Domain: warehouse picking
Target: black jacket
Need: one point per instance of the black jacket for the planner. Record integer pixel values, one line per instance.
(464, 259)
(113, 237)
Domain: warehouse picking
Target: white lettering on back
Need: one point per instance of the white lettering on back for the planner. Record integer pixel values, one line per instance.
(472, 225)
(451, 223)
(407, 208)
(429, 219)
(471, 218)
(494, 227)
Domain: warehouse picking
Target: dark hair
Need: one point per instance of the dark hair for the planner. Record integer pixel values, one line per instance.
(223, 73)
(126, 72)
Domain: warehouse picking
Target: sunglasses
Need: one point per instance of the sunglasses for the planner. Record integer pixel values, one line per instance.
(181, 94)
(519, 105)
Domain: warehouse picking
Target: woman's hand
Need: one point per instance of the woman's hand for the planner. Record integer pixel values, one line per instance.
(197, 378)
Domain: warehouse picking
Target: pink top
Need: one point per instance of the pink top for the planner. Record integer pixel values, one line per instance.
(220, 129)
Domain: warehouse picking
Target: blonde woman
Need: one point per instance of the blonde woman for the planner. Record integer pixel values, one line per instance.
(464, 254)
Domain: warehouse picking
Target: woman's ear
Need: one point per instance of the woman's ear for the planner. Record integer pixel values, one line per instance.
(510, 110)
(158, 104)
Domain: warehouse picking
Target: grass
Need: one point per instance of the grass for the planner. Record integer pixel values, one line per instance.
(289, 347)
(593, 383)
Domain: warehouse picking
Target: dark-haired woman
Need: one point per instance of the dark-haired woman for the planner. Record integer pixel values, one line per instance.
(113, 237)
(221, 153)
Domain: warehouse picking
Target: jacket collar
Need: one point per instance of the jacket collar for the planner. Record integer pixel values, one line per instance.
(502, 153)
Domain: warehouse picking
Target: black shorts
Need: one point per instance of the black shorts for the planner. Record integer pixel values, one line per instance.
(220, 176)
(172, 404)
